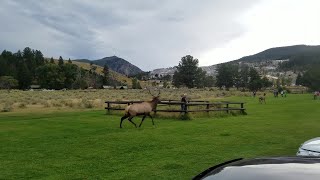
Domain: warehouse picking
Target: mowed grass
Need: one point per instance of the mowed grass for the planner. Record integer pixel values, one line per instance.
(90, 145)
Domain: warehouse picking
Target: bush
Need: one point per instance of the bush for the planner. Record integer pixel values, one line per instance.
(7, 108)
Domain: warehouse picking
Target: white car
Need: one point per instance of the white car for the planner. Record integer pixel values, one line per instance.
(310, 148)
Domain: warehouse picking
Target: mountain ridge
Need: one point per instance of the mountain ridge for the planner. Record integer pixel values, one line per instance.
(115, 63)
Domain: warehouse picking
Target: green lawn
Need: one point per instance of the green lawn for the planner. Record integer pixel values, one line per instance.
(90, 145)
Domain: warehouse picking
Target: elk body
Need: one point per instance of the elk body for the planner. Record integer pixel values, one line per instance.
(144, 108)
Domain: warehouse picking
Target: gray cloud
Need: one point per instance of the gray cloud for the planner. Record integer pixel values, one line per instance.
(148, 33)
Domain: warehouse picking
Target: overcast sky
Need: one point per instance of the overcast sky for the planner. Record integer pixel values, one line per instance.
(154, 34)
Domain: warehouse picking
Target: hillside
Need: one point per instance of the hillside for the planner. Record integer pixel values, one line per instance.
(115, 75)
(116, 64)
(285, 52)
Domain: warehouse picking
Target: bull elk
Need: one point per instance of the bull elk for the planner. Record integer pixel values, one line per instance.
(143, 108)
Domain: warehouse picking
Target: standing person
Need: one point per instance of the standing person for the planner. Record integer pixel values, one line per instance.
(281, 93)
(275, 93)
(184, 101)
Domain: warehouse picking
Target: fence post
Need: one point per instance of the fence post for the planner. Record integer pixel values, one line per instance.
(208, 107)
(186, 108)
(227, 108)
(108, 107)
(242, 111)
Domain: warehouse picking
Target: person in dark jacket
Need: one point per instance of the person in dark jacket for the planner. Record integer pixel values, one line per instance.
(184, 101)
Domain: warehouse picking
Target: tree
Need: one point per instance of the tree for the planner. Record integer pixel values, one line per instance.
(24, 76)
(299, 79)
(226, 75)
(69, 61)
(311, 78)
(70, 72)
(244, 77)
(39, 59)
(8, 82)
(51, 60)
(50, 76)
(265, 82)
(209, 81)
(135, 84)
(254, 80)
(188, 73)
(60, 62)
(105, 74)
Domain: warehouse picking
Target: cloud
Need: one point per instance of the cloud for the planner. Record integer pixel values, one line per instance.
(148, 33)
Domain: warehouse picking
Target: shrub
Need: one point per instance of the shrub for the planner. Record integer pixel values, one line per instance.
(7, 108)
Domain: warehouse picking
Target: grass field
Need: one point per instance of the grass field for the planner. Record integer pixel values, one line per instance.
(90, 145)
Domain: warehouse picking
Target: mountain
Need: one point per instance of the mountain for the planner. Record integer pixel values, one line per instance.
(285, 52)
(116, 64)
(85, 64)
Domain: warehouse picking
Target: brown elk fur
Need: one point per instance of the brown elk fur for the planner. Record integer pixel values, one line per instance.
(144, 108)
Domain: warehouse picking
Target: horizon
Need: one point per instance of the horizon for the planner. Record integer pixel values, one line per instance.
(148, 34)
(66, 59)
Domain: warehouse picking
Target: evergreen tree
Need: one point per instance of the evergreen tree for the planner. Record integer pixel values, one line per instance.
(105, 74)
(39, 59)
(255, 80)
(188, 73)
(69, 61)
(51, 60)
(24, 76)
(225, 76)
(299, 79)
(60, 62)
(50, 76)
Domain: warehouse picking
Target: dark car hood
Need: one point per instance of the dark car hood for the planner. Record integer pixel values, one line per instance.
(284, 168)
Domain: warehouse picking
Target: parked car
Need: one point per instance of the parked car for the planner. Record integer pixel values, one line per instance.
(310, 148)
(275, 168)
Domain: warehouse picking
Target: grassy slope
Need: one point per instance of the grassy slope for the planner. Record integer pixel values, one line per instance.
(90, 145)
(119, 77)
(115, 75)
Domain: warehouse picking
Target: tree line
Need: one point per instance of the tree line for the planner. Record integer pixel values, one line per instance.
(188, 74)
(29, 67)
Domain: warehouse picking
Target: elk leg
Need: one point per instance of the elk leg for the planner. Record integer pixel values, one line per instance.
(151, 118)
(142, 120)
(131, 121)
(123, 118)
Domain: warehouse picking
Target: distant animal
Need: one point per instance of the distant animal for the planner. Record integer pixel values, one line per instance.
(262, 98)
(144, 108)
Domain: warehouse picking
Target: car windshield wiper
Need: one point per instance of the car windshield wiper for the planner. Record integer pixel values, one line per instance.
(204, 173)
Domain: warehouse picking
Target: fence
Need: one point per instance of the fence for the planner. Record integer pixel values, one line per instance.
(207, 106)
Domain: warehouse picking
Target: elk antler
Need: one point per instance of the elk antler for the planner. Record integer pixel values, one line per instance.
(152, 94)
(159, 92)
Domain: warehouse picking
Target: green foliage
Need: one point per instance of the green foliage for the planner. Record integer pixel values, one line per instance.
(8, 82)
(135, 84)
(51, 60)
(106, 75)
(188, 73)
(60, 61)
(50, 76)
(311, 78)
(29, 66)
(24, 76)
(226, 75)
